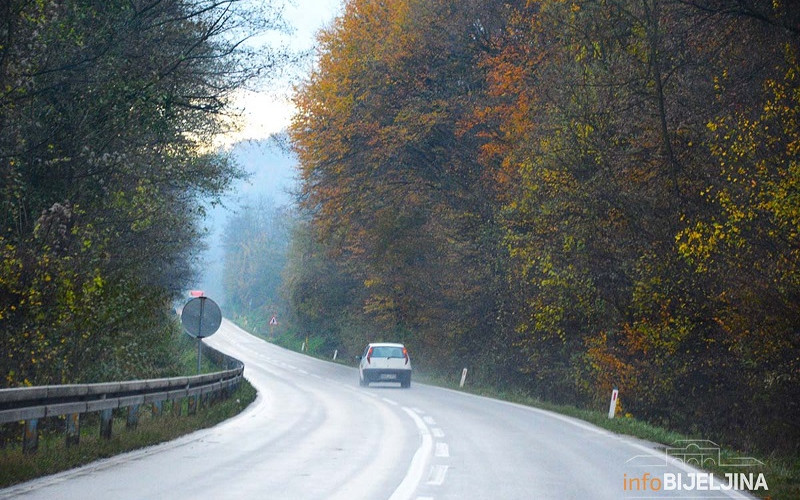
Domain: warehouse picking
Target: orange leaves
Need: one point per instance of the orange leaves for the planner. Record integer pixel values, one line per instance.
(608, 184)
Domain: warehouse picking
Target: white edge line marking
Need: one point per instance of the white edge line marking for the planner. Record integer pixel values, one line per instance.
(597, 430)
(417, 467)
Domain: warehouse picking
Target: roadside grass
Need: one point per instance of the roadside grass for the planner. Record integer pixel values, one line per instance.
(188, 358)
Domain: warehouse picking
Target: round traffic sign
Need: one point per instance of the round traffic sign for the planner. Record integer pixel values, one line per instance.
(201, 317)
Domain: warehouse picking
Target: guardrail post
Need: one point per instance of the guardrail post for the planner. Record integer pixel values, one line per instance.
(177, 405)
(156, 408)
(133, 417)
(106, 419)
(73, 426)
(192, 405)
(30, 438)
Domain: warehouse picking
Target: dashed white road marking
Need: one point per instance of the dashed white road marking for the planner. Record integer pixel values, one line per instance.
(437, 432)
(429, 420)
(437, 475)
(441, 450)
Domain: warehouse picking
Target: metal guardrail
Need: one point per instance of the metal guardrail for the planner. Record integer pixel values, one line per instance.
(30, 404)
(55, 400)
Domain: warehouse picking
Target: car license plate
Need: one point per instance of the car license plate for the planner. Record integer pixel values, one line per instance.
(388, 376)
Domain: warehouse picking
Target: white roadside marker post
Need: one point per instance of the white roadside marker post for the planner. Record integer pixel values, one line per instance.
(612, 409)
(463, 378)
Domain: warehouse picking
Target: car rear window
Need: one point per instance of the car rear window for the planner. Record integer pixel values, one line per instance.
(387, 352)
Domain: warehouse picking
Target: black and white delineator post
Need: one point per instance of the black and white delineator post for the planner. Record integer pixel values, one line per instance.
(612, 409)
(201, 318)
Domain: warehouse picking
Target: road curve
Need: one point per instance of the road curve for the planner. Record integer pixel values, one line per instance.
(313, 433)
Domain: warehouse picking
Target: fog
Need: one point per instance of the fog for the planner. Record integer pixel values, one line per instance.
(272, 173)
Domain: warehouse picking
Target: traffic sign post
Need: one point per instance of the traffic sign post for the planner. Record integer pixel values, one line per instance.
(273, 322)
(201, 318)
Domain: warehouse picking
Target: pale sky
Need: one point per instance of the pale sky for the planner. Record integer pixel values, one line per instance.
(270, 111)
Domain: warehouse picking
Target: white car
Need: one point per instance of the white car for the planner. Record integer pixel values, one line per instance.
(385, 362)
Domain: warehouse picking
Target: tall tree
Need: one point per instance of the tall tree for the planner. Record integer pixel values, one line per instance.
(106, 109)
(607, 125)
(594, 193)
(390, 169)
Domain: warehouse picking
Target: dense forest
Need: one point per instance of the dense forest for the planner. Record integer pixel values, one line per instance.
(256, 241)
(564, 196)
(108, 114)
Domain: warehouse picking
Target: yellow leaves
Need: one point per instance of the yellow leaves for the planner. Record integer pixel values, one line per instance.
(372, 282)
(793, 148)
(697, 244)
(582, 130)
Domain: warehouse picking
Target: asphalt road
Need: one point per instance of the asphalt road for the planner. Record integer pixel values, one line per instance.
(313, 433)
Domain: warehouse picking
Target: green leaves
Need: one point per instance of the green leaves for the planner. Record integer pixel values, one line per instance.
(604, 193)
(107, 113)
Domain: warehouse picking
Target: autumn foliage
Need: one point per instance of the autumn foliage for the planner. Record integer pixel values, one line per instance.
(568, 196)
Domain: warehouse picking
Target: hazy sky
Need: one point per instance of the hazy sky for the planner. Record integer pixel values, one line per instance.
(270, 111)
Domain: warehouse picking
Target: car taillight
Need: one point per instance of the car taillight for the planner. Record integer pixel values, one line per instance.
(369, 354)
(405, 354)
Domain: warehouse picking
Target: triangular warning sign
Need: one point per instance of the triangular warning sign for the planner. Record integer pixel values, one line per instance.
(274, 320)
